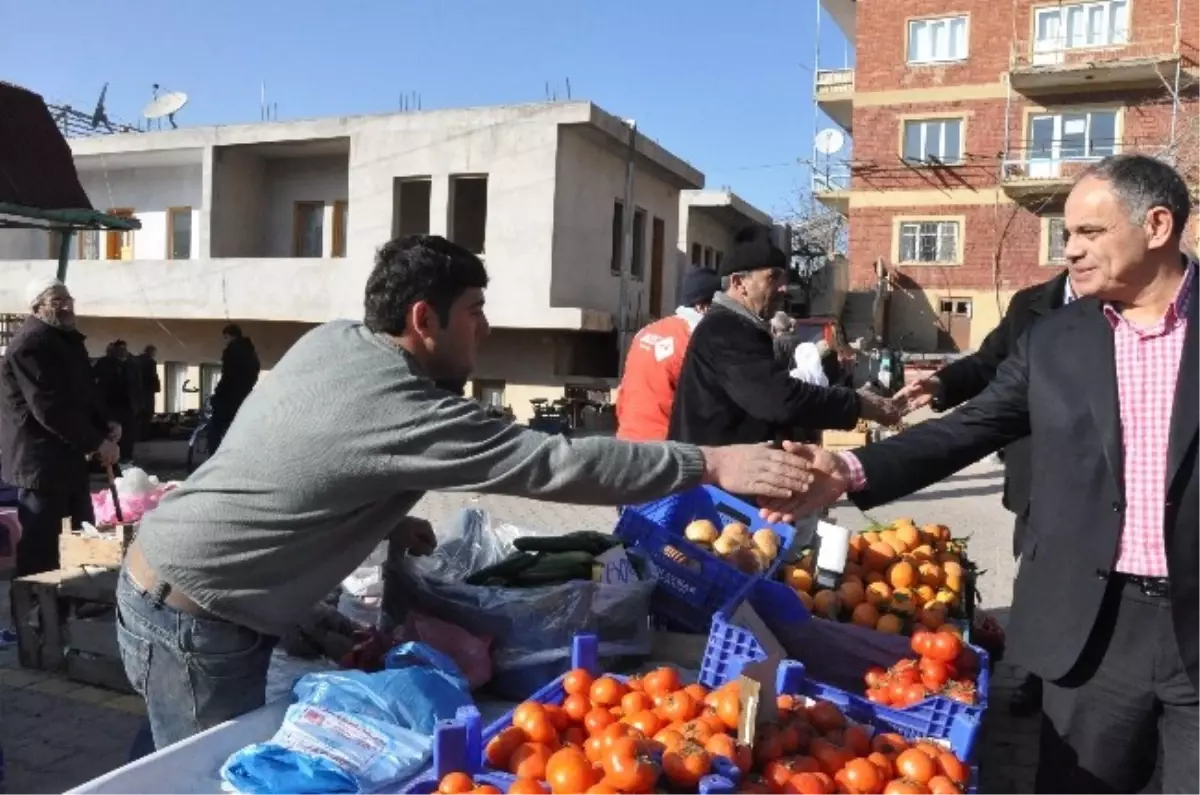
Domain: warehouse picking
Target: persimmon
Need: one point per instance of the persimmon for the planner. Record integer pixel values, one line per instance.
(903, 786)
(767, 746)
(455, 784)
(486, 789)
(832, 758)
(825, 717)
(713, 720)
(865, 615)
(686, 765)
(500, 748)
(602, 787)
(679, 705)
(578, 681)
(930, 749)
(857, 740)
(810, 784)
(597, 719)
(883, 763)
(635, 682)
(569, 771)
(890, 624)
(696, 730)
(669, 738)
(527, 711)
(729, 708)
(527, 786)
(529, 761)
(916, 766)
(594, 748)
(574, 736)
(779, 772)
(628, 768)
(635, 701)
(879, 695)
(646, 722)
(696, 691)
(851, 594)
(725, 746)
(863, 776)
(577, 706)
(662, 681)
(889, 744)
(953, 768)
(558, 716)
(941, 785)
(541, 730)
(607, 692)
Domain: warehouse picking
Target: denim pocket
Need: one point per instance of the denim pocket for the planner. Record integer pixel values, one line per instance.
(223, 650)
(135, 654)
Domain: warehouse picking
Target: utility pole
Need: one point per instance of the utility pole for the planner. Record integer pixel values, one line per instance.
(626, 248)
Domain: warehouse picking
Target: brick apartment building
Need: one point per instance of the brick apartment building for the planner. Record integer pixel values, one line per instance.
(969, 118)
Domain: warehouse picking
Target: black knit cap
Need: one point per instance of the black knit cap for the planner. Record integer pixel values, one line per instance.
(752, 251)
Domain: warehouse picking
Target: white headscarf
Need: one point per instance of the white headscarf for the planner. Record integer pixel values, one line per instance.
(37, 286)
(808, 365)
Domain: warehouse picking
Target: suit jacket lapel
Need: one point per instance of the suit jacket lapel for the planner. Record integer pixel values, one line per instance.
(1094, 354)
(1185, 414)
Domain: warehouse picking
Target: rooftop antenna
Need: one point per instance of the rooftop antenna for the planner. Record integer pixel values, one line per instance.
(262, 102)
(100, 115)
(568, 88)
(166, 104)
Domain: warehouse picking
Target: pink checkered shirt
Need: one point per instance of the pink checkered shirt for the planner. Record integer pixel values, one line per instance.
(1147, 366)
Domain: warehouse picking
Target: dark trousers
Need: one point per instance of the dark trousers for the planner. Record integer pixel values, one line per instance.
(41, 513)
(1104, 724)
(129, 430)
(217, 427)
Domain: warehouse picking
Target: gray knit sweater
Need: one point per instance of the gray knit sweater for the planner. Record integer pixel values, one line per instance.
(333, 448)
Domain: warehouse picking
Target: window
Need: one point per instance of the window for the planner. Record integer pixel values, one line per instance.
(1077, 135)
(717, 260)
(1101, 23)
(341, 216)
(941, 40)
(85, 244)
(637, 266)
(933, 141)
(618, 242)
(697, 254)
(929, 241)
(1056, 242)
(309, 231)
(179, 233)
(708, 257)
(488, 393)
(468, 212)
(173, 395)
(410, 206)
(210, 376)
(118, 244)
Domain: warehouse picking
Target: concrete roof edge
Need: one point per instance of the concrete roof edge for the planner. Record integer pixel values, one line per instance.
(686, 175)
(726, 198)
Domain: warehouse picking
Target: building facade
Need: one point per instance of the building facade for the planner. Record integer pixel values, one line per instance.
(275, 225)
(969, 119)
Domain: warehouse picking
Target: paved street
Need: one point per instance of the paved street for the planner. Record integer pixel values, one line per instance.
(56, 734)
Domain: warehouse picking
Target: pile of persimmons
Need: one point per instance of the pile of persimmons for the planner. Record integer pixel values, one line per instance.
(945, 665)
(654, 734)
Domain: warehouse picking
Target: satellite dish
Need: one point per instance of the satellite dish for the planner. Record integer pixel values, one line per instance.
(829, 141)
(166, 104)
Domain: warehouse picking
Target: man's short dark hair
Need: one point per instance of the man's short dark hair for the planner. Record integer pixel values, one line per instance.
(418, 268)
(1143, 183)
(232, 330)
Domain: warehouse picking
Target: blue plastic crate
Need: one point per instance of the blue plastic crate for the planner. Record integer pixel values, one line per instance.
(688, 595)
(731, 646)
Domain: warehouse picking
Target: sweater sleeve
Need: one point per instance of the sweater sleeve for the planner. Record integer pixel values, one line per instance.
(52, 401)
(451, 444)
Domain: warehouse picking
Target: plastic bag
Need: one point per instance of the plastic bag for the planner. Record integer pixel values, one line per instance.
(138, 493)
(362, 592)
(285, 670)
(472, 654)
(530, 627)
(354, 732)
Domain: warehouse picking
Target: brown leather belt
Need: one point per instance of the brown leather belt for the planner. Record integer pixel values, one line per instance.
(147, 579)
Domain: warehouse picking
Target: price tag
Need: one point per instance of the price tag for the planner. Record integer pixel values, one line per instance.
(614, 568)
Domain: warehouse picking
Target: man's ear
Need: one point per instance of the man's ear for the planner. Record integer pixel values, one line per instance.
(422, 319)
(1159, 226)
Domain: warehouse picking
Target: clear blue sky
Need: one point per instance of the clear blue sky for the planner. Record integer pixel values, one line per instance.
(725, 85)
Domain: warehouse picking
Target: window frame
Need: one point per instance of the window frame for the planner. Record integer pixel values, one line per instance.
(341, 220)
(898, 224)
(1046, 241)
(942, 119)
(947, 20)
(171, 213)
(297, 228)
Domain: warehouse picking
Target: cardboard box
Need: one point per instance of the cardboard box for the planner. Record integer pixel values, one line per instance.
(76, 549)
(844, 440)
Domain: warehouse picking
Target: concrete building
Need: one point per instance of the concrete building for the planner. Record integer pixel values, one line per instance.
(274, 226)
(969, 119)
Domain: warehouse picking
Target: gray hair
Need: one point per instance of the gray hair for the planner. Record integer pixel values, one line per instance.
(781, 323)
(1142, 183)
(727, 280)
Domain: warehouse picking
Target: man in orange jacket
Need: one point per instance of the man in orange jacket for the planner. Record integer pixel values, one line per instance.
(655, 358)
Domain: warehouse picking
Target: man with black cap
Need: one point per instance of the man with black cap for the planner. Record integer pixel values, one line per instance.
(655, 358)
(732, 388)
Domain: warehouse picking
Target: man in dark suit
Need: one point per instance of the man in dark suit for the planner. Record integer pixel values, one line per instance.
(1106, 605)
(963, 379)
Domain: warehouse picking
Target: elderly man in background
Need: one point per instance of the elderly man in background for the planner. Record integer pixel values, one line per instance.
(655, 358)
(51, 421)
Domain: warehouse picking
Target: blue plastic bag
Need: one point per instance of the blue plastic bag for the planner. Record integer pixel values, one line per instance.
(351, 731)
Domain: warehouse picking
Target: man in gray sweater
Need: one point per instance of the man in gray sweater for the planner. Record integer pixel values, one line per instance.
(326, 458)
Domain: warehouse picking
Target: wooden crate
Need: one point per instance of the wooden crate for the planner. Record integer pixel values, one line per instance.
(844, 440)
(76, 549)
(66, 621)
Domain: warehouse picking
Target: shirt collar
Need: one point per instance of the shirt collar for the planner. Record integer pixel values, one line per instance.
(1176, 311)
(1068, 292)
(724, 301)
(690, 315)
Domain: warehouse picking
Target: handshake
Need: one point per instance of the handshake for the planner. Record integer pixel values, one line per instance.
(795, 481)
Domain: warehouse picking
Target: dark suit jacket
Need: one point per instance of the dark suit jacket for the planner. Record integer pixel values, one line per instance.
(970, 375)
(1059, 388)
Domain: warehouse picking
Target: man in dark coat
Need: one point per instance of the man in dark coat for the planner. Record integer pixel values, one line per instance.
(965, 378)
(149, 385)
(50, 422)
(118, 381)
(732, 388)
(239, 374)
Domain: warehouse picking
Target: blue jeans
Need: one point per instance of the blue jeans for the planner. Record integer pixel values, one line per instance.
(194, 673)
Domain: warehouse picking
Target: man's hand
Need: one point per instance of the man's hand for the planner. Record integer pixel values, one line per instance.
(114, 432)
(758, 470)
(920, 393)
(415, 536)
(108, 452)
(885, 411)
(831, 479)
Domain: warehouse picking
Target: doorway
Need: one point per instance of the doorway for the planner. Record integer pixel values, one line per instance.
(658, 243)
(955, 324)
(118, 243)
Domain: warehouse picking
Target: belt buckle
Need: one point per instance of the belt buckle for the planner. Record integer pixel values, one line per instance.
(1156, 587)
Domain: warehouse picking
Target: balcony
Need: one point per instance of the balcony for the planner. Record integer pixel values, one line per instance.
(1043, 179)
(1128, 57)
(831, 186)
(835, 95)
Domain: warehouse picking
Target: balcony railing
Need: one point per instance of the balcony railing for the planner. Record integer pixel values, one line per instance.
(832, 83)
(831, 178)
(1142, 43)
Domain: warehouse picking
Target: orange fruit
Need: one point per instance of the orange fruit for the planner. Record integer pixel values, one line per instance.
(951, 567)
(879, 594)
(930, 574)
(798, 578)
(879, 556)
(890, 624)
(807, 599)
(902, 575)
(852, 570)
(871, 537)
(954, 582)
(909, 535)
(904, 601)
(925, 594)
(947, 597)
(865, 615)
(851, 594)
(923, 552)
(933, 615)
(825, 603)
(874, 576)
